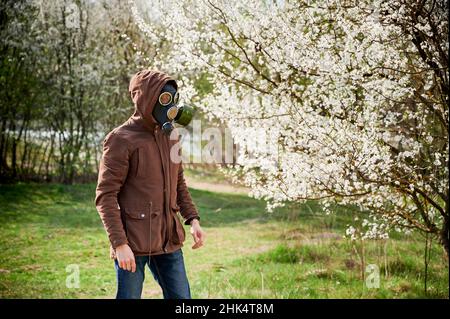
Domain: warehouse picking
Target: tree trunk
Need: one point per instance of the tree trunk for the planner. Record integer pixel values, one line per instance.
(13, 150)
(444, 236)
(3, 149)
(49, 157)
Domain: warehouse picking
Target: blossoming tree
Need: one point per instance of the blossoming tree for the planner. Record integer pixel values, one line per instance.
(351, 97)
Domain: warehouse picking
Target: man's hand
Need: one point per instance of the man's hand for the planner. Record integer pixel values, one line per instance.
(125, 258)
(197, 233)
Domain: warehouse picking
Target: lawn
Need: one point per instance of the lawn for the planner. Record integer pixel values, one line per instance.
(295, 252)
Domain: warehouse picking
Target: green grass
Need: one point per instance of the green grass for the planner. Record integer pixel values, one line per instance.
(295, 252)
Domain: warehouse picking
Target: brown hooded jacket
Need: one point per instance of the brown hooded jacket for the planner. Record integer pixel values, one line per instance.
(140, 189)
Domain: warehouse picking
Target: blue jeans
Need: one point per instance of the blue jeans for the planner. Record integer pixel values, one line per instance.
(167, 269)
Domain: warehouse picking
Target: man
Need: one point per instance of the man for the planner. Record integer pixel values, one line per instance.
(141, 188)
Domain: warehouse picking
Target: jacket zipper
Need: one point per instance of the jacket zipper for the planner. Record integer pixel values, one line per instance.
(168, 232)
(166, 172)
(168, 209)
(151, 213)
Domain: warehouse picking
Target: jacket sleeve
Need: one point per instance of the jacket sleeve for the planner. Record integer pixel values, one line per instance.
(184, 199)
(112, 173)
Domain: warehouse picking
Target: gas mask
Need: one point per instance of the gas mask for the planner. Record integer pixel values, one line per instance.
(166, 110)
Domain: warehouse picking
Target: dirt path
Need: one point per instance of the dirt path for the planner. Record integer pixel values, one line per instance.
(216, 187)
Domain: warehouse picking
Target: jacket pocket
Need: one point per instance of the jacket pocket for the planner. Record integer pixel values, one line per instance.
(138, 161)
(178, 232)
(143, 227)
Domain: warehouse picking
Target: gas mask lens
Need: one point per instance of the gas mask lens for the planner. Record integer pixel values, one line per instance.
(165, 98)
(172, 113)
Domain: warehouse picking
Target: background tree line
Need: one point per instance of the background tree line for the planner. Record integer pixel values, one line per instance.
(64, 74)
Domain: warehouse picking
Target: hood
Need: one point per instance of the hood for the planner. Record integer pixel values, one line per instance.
(144, 88)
